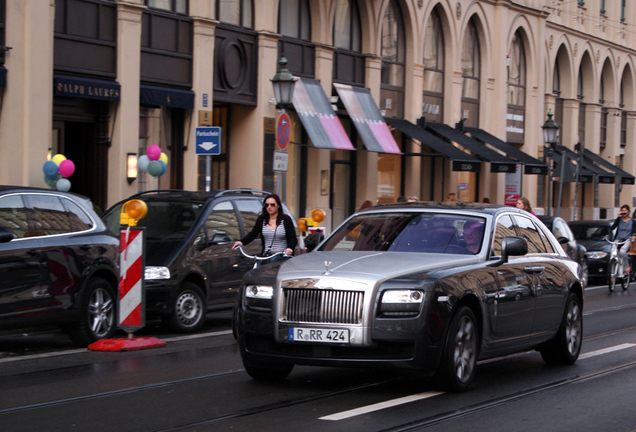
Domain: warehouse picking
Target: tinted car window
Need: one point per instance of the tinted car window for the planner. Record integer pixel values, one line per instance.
(222, 219)
(546, 242)
(13, 215)
(249, 210)
(596, 233)
(529, 231)
(167, 220)
(408, 232)
(504, 228)
(80, 221)
(47, 216)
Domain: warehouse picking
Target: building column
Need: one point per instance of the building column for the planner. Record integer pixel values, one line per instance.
(27, 103)
(125, 137)
(202, 84)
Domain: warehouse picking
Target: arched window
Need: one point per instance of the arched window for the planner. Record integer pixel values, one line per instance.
(393, 47)
(517, 72)
(346, 26)
(470, 63)
(293, 19)
(579, 85)
(433, 69)
(236, 12)
(556, 81)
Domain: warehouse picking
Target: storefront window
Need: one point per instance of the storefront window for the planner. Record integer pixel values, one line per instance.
(178, 6)
(346, 28)
(293, 19)
(389, 168)
(236, 12)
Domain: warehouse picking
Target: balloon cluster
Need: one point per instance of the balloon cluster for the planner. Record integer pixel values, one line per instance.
(57, 171)
(154, 162)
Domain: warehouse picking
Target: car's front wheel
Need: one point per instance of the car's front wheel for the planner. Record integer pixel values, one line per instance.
(97, 306)
(268, 371)
(459, 360)
(188, 314)
(566, 345)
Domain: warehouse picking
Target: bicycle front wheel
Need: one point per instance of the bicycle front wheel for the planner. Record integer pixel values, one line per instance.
(612, 274)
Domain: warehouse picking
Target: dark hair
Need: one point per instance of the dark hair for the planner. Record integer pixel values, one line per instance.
(279, 216)
(625, 206)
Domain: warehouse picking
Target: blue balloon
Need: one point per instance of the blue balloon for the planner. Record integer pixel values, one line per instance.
(164, 167)
(142, 163)
(50, 169)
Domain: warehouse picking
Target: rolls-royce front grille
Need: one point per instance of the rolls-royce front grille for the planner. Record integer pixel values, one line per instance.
(323, 306)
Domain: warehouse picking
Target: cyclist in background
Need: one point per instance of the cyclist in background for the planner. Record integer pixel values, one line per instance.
(624, 226)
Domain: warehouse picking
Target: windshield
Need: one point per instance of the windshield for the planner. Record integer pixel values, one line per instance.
(595, 232)
(409, 232)
(165, 220)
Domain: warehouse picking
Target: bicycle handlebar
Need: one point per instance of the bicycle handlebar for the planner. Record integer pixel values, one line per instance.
(617, 241)
(259, 258)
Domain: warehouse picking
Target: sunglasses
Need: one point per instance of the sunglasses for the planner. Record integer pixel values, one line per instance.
(270, 204)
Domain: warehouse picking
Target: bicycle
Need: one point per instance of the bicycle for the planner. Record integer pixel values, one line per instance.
(259, 259)
(616, 267)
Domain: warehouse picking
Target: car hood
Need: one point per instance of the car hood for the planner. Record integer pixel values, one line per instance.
(594, 245)
(368, 265)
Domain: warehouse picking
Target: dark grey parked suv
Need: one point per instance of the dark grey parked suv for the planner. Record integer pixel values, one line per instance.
(191, 268)
(58, 264)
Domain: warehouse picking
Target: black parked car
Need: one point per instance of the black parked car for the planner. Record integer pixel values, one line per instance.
(190, 265)
(591, 234)
(58, 264)
(571, 246)
(426, 286)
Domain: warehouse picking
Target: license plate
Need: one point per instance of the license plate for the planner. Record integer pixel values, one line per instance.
(301, 334)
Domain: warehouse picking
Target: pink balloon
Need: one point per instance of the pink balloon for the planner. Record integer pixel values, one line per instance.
(153, 152)
(67, 168)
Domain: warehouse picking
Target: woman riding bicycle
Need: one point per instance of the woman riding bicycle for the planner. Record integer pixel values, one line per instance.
(624, 226)
(275, 228)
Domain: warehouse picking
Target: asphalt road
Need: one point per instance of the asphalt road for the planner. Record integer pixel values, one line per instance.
(197, 383)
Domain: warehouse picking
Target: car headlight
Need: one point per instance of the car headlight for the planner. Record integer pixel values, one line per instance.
(401, 302)
(259, 297)
(156, 273)
(596, 255)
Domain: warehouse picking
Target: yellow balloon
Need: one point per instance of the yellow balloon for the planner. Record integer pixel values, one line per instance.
(58, 158)
(164, 158)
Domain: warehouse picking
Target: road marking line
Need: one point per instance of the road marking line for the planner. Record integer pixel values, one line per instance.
(606, 350)
(379, 406)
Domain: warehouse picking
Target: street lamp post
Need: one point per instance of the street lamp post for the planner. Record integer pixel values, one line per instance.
(550, 137)
(283, 83)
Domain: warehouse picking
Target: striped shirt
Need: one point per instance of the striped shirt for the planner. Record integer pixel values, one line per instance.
(275, 240)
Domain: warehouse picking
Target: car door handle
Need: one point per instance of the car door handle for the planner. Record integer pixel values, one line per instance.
(534, 269)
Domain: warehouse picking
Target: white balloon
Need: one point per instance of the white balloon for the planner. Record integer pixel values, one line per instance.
(63, 185)
(142, 163)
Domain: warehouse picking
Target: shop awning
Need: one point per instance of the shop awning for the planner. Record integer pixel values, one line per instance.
(498, 162)
(3, 77)
(86, 88)
(166, 97)
(531, 164)
(462, 161)
(587, 168)
(568, 175)
(626, 178)
(317, 116)
(369, 123)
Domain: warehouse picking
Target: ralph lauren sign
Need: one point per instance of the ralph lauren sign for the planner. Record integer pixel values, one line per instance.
(86, 88)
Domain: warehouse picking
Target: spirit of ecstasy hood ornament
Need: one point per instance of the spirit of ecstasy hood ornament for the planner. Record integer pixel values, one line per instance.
(327, 271)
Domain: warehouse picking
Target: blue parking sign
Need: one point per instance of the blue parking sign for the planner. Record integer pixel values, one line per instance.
(208, 140)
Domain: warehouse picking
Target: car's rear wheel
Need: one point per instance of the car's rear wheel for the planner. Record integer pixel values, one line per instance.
(188, 314)
(268, 371)
(459, 359)
(97, 306)
(566, 345)
(611, 276)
